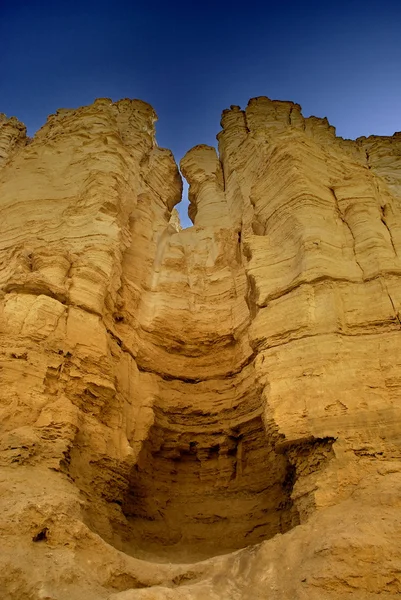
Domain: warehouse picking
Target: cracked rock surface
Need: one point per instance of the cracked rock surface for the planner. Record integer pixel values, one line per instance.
(208, 413)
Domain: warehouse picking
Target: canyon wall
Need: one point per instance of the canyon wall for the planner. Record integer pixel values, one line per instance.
(207, 413)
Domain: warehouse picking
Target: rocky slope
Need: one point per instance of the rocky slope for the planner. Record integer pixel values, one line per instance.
(202, 413)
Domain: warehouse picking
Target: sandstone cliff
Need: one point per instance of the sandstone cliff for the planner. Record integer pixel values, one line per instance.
(208, 413)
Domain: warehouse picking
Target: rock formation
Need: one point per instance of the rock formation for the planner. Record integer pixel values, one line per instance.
(207, 413)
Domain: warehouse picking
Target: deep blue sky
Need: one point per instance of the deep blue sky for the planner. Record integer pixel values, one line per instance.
(192, 59)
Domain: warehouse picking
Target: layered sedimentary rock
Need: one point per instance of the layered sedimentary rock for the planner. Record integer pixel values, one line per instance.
(202, 413)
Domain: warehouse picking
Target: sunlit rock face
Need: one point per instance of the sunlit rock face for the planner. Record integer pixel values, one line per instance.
(211, 412)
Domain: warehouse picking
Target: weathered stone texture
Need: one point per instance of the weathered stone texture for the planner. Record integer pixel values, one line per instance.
(208, 413)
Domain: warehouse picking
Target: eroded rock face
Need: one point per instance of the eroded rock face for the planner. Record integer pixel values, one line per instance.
(202, 413)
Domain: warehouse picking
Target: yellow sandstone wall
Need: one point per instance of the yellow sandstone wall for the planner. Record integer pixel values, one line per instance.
(208, 413)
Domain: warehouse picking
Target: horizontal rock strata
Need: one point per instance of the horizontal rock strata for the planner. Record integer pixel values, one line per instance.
(203, 413)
